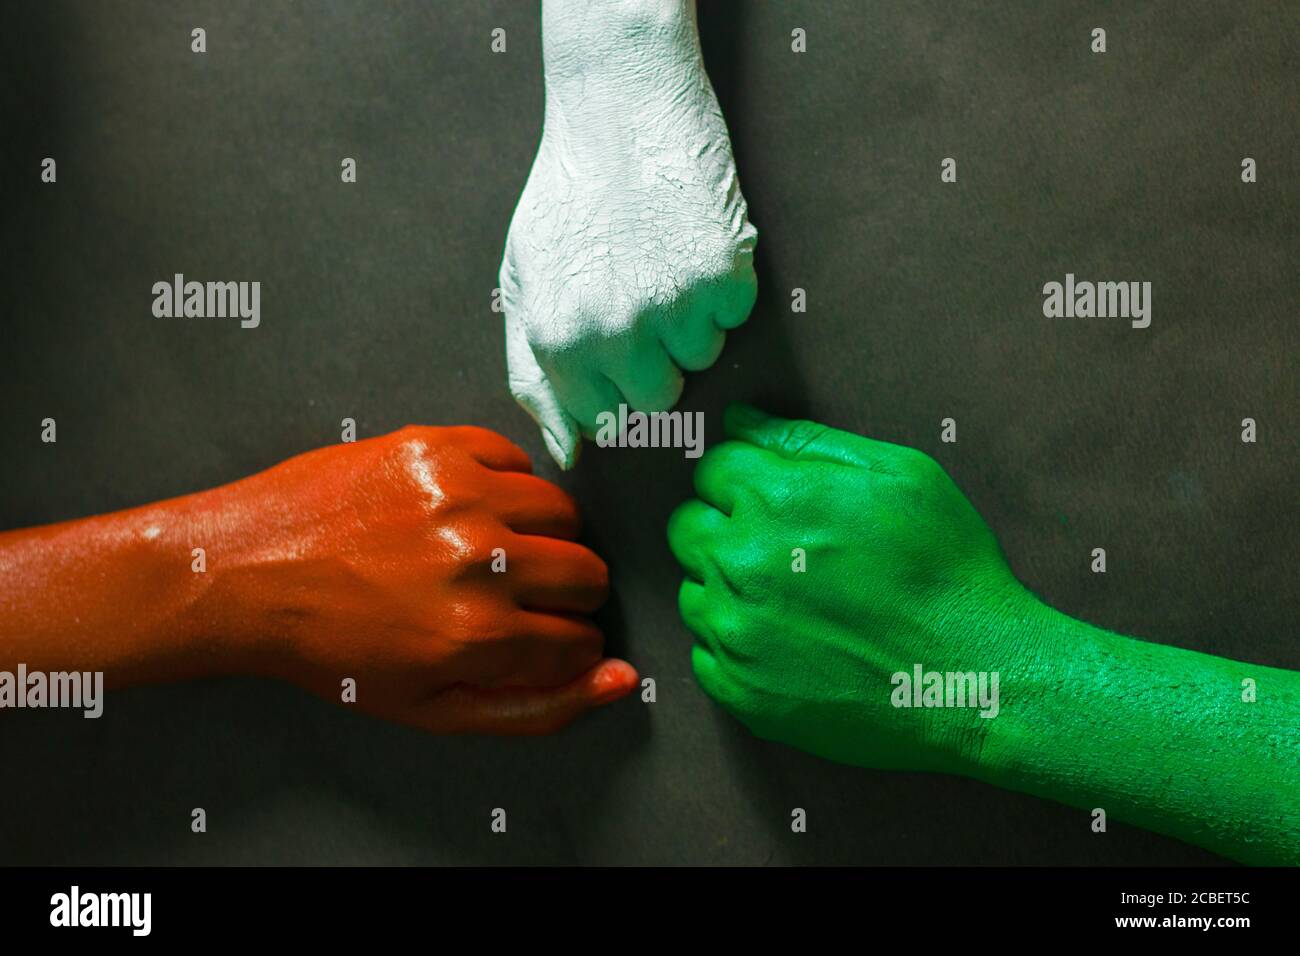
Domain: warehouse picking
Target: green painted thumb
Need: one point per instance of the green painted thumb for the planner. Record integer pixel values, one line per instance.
(794, 439)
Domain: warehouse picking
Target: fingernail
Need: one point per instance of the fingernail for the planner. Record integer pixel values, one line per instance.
(612, 682)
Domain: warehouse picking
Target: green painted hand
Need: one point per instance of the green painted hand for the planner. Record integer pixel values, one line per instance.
(849, 601)
(821, 563)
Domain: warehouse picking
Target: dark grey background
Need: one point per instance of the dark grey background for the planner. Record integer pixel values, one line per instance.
(924, 302)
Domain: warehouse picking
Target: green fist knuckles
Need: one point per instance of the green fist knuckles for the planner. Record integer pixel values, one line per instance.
(818, 564)
(823, 570)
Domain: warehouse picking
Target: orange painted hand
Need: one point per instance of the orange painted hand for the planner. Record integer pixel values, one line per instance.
(426, 574)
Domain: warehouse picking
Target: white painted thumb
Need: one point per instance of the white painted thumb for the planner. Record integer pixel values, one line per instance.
(529, 386)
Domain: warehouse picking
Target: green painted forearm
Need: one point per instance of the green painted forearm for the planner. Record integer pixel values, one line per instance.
(1160, 737)
(848, 600)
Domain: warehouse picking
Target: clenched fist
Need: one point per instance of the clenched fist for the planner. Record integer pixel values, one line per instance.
(819, 565)
(630, 252)
(427, 570)
(431, 566)
(827, 572)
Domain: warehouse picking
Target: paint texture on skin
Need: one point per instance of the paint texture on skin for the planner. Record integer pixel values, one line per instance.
(370, 560)
(900, 570)
(630, 252)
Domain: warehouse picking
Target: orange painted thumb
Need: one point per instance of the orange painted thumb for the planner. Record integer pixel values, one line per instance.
(531, 710)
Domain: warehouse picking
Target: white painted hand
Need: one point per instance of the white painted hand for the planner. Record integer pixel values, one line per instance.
(630, 252)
